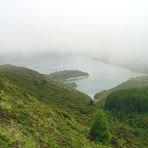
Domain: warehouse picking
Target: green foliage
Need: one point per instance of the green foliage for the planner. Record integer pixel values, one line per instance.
(43, 88)
(36, 111)
(126, 132)
(54, 120)
(91, 102)
(29, 122)
(99, 130)
(140, 121)
(127, 107)
(137, 82)
(71, 84)
(67, 74)
(128, 101)
(3, 143)
(1, 84)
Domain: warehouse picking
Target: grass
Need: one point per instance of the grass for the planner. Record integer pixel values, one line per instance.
(36, 111)
(29, 122)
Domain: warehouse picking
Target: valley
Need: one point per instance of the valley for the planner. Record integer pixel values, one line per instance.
(73, 74)
(37, 111)
(102, 76)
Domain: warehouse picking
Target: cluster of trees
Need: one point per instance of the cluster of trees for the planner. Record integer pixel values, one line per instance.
(128, 100)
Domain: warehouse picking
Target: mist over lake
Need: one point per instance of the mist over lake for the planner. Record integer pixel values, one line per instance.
(102, 76)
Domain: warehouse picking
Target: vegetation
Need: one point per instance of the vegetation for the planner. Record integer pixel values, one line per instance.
(43, 88)
(137, 82)
(36, 111)
(99, 130)
(67, 74)
(128, 131)
(128, 101)
(71, 84)
(29, 121)
(129, 117)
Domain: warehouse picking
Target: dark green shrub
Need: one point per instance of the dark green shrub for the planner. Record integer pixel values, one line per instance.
(91, 102)
(99, 130)
(1, 85)
(3, 143)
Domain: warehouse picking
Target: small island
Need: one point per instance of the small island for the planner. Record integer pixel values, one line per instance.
(68, 75)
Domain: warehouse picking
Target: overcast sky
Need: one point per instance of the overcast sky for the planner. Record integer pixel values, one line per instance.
(116, 29)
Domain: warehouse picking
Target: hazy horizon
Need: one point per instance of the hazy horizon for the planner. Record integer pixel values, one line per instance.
(116, 30)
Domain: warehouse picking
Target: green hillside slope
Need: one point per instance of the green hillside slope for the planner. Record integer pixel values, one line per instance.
(29, 122)
(131, 83)
(41, 87)
(129, 110)
(36, 111)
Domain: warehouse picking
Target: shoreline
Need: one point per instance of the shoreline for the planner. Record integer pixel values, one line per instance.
(76, 78)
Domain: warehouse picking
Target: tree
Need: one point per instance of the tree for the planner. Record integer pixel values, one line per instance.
(99, 130)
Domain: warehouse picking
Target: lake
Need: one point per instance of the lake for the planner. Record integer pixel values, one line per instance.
(102, 76)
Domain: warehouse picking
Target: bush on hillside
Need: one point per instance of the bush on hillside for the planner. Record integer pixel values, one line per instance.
(99, 130)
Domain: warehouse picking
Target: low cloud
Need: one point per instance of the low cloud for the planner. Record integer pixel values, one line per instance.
(116, 30)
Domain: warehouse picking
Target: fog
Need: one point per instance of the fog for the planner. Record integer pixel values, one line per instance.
(115, 31)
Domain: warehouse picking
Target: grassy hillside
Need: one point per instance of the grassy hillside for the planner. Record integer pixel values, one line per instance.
(29, 122)
(36, 111)
(129, 131)
(137, 82)
(41, 87)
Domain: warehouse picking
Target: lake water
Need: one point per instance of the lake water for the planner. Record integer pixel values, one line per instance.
(102, 76)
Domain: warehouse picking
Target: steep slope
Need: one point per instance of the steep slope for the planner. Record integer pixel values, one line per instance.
(131, 83)
(41, 87)
(129, 111)
(29, 122)
(36, 111)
